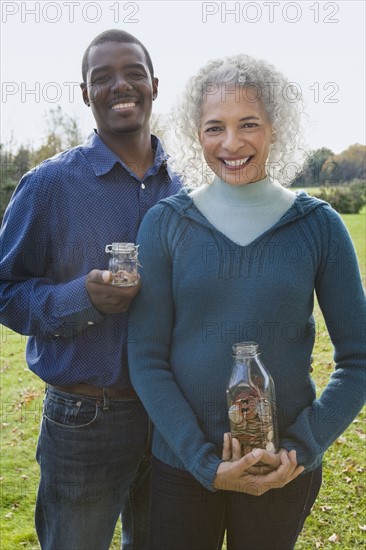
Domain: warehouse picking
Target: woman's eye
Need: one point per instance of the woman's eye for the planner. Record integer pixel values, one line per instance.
(250, 125)
(213, 129)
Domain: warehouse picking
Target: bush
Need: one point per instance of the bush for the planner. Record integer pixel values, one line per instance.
(346, 199)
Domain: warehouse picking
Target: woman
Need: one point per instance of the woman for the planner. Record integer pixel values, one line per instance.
(239, 259)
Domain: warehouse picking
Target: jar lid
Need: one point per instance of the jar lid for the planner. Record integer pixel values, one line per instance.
(121, 247)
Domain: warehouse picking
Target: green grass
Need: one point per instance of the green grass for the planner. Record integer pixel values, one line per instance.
(338, 518)
(356, 225)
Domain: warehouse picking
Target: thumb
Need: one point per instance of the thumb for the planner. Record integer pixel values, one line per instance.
(251, 458)
(106, 276)
(99, 276)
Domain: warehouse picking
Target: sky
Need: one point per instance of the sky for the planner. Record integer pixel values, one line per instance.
(319, 46)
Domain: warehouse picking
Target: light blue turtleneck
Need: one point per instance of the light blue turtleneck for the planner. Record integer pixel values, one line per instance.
(243, 212)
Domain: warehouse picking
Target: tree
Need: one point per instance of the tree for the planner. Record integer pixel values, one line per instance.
(62, 133)
(22, 161)
(313, 173)
(352, 163)
(159, 126)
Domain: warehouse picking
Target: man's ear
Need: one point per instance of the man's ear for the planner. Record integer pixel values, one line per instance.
(84, 91)
(155, 85)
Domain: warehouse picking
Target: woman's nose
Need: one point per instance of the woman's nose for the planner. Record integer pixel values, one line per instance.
(232, 142)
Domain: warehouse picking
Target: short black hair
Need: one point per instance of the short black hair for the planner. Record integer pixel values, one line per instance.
(114, 35)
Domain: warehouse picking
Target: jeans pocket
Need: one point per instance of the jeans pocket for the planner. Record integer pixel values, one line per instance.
(69, 411)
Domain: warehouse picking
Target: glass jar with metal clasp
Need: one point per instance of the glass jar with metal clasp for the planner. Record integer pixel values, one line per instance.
(123, 263)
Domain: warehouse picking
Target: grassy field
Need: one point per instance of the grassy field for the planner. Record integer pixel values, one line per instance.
(338, 518)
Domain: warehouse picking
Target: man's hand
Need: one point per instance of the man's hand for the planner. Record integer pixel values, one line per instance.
(107, 298)
(237, 473)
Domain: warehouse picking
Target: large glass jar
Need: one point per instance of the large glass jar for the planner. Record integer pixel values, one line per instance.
(251, 400)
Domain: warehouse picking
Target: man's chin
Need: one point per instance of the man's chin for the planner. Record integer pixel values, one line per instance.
(128, 129)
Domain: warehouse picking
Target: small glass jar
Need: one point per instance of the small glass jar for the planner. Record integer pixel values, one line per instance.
(251, 401)
(123, 263)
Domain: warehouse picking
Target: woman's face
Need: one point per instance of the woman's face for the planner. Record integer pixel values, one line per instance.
(235, 134)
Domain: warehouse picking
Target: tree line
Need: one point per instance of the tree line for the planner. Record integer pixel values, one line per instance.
(338, 179)
(325, 168)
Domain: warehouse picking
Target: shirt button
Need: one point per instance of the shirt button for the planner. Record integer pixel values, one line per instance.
(90, 323)
(142, 186)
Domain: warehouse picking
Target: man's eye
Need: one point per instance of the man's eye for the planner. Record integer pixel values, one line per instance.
(100, 79)
(250, 125)
(136, 75)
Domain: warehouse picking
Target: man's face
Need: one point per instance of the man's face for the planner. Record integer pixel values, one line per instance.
(119, 89)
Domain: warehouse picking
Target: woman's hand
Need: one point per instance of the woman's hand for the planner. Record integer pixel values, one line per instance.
(240, 474)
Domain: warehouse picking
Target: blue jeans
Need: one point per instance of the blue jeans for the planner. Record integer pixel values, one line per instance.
(92, 454)
(185, 515)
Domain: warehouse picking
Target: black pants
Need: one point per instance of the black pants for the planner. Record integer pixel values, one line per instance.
(185, 516)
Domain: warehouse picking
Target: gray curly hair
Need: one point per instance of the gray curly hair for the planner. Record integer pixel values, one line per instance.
(280, 98)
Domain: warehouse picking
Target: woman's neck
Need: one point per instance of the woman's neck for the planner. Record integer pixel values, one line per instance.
(243, 212)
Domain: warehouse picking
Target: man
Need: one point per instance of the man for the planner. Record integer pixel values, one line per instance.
(56, 289)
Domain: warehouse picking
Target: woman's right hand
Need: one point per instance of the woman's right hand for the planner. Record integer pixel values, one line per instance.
(235, 473)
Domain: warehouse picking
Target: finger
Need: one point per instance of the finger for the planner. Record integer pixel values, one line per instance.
(259, 469)
(293, 458)
(279, 477)
(248, 460)
(226, 449)
(287, 466)
(272, 460)
(238, 467)
(289, 461)
(236, 449)
(287, 471)
(297, 469)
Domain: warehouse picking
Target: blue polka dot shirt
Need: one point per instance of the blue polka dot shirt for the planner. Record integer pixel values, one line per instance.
(55, 229)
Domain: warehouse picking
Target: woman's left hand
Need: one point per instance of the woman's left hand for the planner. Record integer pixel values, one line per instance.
(231, 451)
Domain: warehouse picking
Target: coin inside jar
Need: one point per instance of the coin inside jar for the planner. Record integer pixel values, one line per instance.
(125, 278)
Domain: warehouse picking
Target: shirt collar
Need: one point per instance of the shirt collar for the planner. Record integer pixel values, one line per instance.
(103, 159)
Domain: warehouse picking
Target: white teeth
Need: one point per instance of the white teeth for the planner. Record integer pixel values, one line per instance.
(236, 163)
(123, 106)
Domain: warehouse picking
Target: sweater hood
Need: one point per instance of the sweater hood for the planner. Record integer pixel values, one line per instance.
(303, 204)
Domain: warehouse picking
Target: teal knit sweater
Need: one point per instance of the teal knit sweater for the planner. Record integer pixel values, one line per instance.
(201, 293)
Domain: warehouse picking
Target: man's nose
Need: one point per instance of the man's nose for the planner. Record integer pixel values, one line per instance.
(120, 83)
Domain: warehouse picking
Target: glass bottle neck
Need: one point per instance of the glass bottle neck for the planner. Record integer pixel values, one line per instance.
(245, 349)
